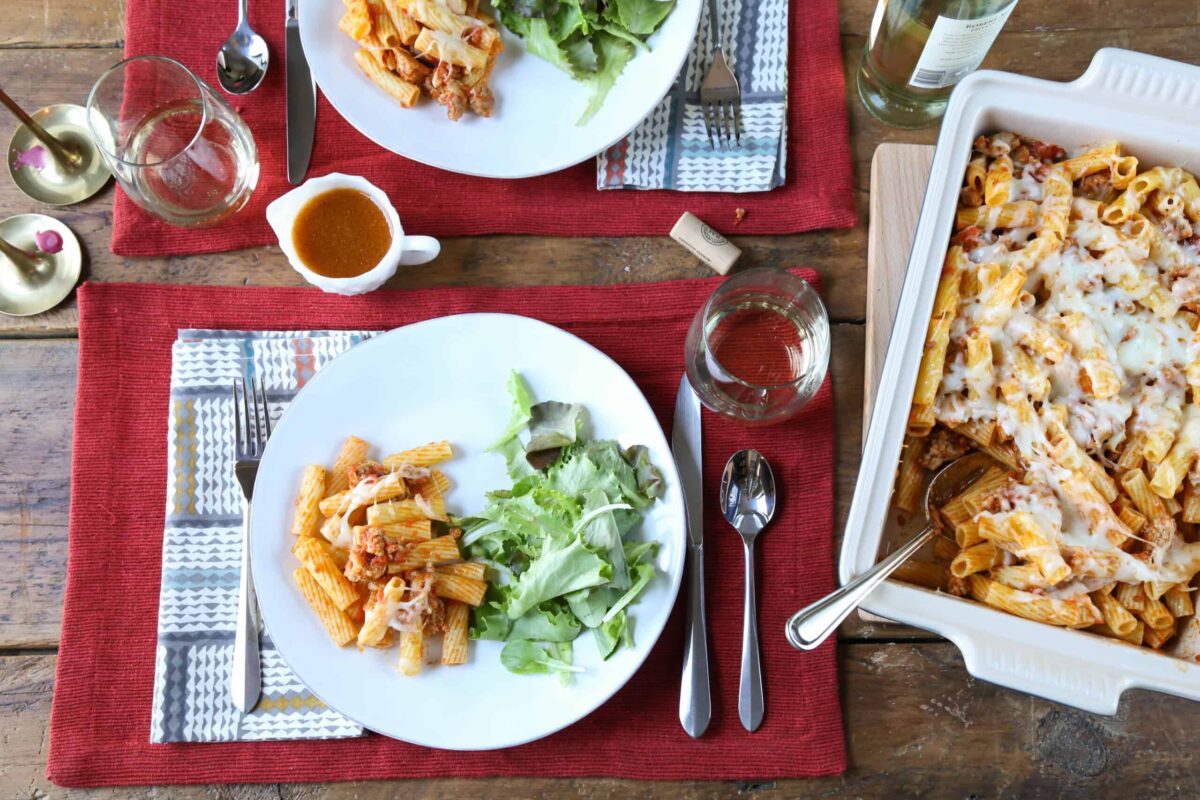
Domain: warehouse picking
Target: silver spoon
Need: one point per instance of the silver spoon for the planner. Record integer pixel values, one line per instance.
(810, 626)
(748, 503)
(242, 60)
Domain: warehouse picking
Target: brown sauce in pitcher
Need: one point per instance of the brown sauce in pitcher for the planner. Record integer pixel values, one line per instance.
(341, 233)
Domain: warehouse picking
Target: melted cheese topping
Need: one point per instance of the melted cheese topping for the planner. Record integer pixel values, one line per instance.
(1112, 295)
(364, 493)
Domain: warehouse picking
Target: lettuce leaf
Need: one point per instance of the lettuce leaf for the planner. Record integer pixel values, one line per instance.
(551, 621)
(556, 573)
(612, 54)
(490, 620)
(609, 634)
(552, 426)
(532, 658)
(589, 44)
(638, 16)
(521, 410)
(557, 539)
(602, 535)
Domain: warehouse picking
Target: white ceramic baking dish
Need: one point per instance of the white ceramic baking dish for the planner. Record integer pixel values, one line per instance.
(1152, 106)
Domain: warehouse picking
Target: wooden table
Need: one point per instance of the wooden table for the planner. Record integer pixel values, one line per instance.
(916, 723)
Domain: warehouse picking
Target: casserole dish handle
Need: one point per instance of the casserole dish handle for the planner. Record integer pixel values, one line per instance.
(1055, 676)
(1169, 88)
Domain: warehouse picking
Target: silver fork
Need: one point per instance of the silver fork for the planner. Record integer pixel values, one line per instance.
(720, 97)
(250, 439)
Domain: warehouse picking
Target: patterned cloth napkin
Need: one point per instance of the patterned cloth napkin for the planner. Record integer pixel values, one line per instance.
(670, 149)
(202, 543)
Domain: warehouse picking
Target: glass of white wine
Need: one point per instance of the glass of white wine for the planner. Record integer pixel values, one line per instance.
(177, 149)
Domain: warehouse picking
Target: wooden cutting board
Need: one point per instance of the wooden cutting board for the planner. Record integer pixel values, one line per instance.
(899, 173)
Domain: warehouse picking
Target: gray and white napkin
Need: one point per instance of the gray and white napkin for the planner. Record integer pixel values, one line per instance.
(202, 542)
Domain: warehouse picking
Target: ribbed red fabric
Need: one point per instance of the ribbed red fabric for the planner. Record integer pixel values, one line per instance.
(100, 722)
(819, 192)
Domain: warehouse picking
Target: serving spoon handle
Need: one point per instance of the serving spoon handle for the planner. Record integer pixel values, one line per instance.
(811, 626)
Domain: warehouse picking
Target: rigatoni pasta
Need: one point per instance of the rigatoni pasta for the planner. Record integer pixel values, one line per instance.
(446, 48)
(379, 562)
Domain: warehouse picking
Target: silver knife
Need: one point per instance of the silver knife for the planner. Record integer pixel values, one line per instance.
(301, 99)
(695, 701)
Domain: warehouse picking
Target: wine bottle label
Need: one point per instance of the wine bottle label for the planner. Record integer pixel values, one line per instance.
(955, 49)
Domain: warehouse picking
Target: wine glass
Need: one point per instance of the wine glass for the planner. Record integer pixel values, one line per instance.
(177, 149)
(758, 349)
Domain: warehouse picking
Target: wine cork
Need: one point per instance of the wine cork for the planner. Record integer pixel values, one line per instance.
(706, 244)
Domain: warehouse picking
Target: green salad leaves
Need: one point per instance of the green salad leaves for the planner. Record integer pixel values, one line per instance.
(590, 40)
(559, 538)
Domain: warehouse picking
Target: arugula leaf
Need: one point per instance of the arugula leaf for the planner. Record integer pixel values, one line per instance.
(555, 573)
(532, 658)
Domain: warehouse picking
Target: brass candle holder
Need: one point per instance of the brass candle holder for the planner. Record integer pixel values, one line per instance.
(33, 279)
(52, 157)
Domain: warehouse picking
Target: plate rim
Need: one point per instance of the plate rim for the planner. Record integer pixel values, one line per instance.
(675, 575)
(693, 26)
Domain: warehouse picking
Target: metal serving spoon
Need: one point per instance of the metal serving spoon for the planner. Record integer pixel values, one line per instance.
(810, 626)
(242, 60)
(748, 503)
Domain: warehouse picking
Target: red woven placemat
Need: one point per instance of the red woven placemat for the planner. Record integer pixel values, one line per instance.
(100, 721)
(819, 192)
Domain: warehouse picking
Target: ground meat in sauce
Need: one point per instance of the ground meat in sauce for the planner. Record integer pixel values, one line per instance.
(1005, 497)
(1045, 152)
(481, 100)
(410, 69)
(367, 470)
(998, 145)
(968, 238)
(433, 617)
(1096, 185)
(370, 555)
(943, 445)
(445, 86)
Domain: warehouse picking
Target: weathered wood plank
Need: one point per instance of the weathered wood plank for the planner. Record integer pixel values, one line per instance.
(37, 404)
(36, 409)
(918, 726)
(62, 23)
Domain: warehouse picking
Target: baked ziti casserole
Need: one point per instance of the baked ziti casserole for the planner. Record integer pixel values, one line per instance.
(1064, 344)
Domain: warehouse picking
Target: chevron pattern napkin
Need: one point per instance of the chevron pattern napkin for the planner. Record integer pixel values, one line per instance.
(202, 543)
(671, 150)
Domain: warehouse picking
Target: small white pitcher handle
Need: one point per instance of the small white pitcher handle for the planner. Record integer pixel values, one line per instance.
(419, 250)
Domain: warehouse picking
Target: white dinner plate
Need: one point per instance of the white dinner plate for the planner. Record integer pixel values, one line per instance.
(445, 379)
(533, 129)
